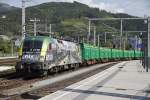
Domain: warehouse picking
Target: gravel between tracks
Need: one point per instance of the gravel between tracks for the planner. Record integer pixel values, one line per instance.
(48, 89)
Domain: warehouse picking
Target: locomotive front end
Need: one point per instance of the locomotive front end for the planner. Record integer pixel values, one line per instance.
(33, 55)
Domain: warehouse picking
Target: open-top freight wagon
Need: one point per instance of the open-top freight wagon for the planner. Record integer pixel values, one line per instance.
(42, 54)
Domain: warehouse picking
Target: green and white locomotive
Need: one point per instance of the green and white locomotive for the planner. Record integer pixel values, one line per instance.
(40, 54)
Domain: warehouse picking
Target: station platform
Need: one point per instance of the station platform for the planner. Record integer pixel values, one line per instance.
(124, 81)
(5, 68)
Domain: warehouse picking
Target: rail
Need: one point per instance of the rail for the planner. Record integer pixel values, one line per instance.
(11, 57)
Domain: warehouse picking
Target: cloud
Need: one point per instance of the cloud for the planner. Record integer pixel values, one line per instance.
(133, 7)
(109, 7)
(101, 5)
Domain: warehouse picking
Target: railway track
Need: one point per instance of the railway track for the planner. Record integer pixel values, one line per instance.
(9, 85)
(9, 61)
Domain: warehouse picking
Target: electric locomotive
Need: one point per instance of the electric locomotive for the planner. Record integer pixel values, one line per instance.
(41, 54)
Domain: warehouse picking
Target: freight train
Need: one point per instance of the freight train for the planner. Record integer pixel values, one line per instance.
(43, 54)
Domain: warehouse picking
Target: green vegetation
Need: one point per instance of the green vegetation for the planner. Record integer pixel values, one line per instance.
(67, 19)
(5, 46)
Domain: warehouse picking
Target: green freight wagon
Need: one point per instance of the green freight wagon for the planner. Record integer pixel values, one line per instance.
(125, 53)
(86, 51)
(105, 53)
(101, 53)
(119, 54)
(89, 52)
(114, 53)
(138, 54)
(131, 53)
(108, 53)
(94, 52)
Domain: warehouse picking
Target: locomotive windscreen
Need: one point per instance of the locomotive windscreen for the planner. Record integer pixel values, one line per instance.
(32, 46)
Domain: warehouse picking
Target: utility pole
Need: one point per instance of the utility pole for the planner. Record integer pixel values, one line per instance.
(23, 20)
(88, 37)
(46, 27)
(83, 40)
(78, 39)
(12, 48)
(121, 35)
(35, 27)
(124, 43)
(136, 42)
(95, 35)
(98, 40)
(50, 29)
(126, 40)
(105, 38)
(148, 45)
(35, 24)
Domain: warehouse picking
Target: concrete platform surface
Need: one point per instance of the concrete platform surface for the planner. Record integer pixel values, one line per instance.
(2, 58)
(124, 81)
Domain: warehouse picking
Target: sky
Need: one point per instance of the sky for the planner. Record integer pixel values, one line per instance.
(132, 7)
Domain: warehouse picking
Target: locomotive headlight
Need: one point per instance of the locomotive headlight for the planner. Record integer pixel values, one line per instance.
(41, 58)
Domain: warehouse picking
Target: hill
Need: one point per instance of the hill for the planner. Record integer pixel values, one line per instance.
(5, 7)
(67, 18)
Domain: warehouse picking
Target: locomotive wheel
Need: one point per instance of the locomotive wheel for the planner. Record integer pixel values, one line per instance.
(19, 67)
(76, 66)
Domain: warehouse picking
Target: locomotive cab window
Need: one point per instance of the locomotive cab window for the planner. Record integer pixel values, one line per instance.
(32, 45)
